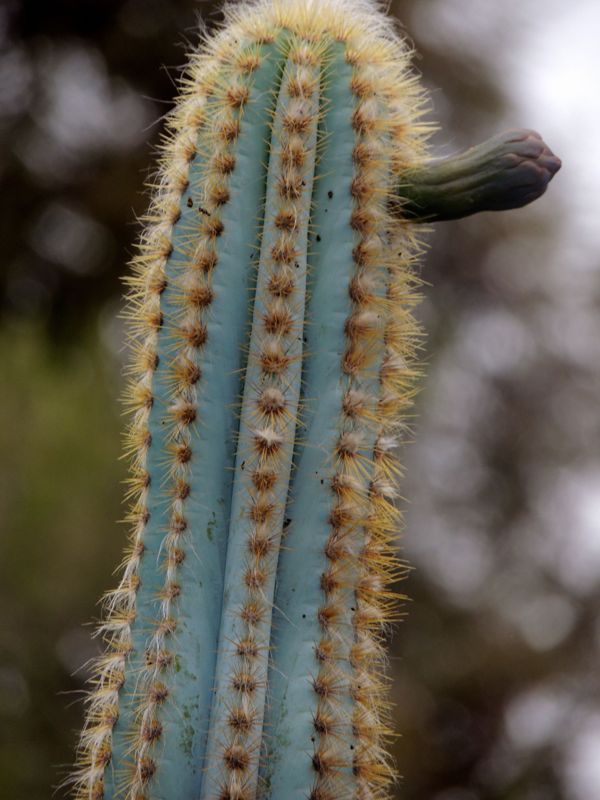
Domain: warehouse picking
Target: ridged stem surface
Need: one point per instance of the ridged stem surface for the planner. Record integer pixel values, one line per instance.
(274, 351)
(191, 307)
(266, 437)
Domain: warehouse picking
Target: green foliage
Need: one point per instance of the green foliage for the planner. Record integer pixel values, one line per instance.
(57, 506)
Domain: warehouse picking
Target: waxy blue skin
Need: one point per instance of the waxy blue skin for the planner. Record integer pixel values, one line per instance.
(506, 172)
(232, 627)
(213, 443)
(291, 700)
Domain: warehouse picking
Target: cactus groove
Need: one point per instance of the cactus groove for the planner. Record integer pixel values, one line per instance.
(273, 369)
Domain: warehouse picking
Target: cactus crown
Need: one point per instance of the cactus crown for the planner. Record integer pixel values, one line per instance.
(273, 368)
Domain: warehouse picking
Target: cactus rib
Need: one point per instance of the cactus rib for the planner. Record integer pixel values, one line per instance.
(150, 696)
(325, 684)
(266, 439)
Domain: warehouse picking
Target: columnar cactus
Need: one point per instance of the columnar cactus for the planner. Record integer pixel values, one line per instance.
(274, 364)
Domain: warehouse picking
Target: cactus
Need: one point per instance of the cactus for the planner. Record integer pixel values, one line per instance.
(274, 363)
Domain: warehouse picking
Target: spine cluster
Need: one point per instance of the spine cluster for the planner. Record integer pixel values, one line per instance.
(348, 644)
(269, 418)
(205, 125)
(187, 337)
(378, 366)
(146, 319)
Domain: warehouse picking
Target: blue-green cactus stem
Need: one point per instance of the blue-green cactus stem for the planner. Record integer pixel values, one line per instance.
(296, 629)
(267, 434)
(176, 758)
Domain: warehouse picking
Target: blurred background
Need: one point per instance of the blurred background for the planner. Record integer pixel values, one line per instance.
(495, 663)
